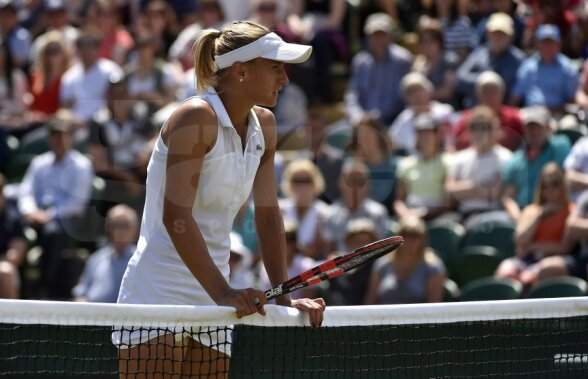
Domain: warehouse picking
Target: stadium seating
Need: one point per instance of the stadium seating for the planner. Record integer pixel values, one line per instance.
(496, 234)
(475, 262)
(563, 286)
(491, 288)
(445, 238)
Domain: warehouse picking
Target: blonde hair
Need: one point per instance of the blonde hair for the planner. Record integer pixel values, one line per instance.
(41, 64)
(551, 169)
(484, 112)
(212, 42)
(302, 166)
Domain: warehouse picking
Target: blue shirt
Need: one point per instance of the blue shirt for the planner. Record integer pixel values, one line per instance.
(523, 174)
(100, 281)
(61, 187)
(551, 84)
(480, 60)
(375, 85)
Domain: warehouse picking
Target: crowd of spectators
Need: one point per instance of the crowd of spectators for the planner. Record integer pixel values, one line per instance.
(410, 114)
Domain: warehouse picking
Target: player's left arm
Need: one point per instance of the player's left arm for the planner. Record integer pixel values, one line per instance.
(269, 222)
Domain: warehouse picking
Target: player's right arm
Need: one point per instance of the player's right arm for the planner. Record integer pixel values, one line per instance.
(190, 134)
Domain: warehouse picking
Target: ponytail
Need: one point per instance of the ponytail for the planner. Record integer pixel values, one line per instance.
(204, 68)
(212, 42)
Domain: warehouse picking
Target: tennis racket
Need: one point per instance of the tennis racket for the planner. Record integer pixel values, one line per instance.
(336, 266)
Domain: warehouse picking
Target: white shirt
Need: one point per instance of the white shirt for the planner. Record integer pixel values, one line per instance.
(309, 224)
(482, 169)
(156, 274)
(87, 88)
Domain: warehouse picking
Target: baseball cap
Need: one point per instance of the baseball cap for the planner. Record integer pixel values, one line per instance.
(425, 121)
(378, 22)
(415, 79)
(500, 22)
(54, 5)
(538, 114)
(548, 31)
(361, 225)
(270, 46)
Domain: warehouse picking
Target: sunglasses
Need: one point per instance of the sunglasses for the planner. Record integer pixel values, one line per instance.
(266, 8)
(302, 181)
(480, 126)
(551, 183)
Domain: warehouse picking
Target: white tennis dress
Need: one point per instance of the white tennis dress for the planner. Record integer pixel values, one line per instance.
(156, 274)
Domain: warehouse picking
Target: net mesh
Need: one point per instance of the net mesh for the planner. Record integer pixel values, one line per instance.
(515, 339)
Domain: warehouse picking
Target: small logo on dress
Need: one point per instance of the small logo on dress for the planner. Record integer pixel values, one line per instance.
(258, 147)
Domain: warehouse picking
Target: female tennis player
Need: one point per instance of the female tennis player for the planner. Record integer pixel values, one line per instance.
(212, 152)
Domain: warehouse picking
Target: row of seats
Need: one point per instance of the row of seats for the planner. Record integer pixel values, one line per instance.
(491, 288)
(473, 253)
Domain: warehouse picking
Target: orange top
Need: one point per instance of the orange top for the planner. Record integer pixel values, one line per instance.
(551, 228)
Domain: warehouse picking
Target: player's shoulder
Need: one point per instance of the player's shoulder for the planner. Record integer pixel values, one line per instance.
(194, 117)
(265, 116)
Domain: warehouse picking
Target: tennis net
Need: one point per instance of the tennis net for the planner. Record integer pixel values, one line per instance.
(521, 339)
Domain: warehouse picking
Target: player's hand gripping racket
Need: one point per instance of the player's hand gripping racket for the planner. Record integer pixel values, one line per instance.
(336, 266)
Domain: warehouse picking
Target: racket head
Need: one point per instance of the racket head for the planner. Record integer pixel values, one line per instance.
(368, 253)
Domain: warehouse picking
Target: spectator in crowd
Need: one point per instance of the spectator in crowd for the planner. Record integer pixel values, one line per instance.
(561, 13)
(371, 144)
(53, 195)
(102, 275)
(458, 32)
(266, 12)
(118, 134)
(158, 18)
(301, 184)
(318, 23)
(47, 69)
(490, 90)
(13, 246)
(503, 6)
(150, 79)
(240, 263)
(55, 13)
(541, 229)
(296, 262)
(351, 288)
(209, 15)
(576, 166)
(417, 91)
(575, 263)
(582, 91)
(376, 73)
(354, 203)
(548, 77)
(473, 180)
(434, 62)
(420, 181)
(84, 85)
(498, 55)
(522, 170)
(327, 158)
(115, 42)
(15, 36)
(13, 88)
(411, 274)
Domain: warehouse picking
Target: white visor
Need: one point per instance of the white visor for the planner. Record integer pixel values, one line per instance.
(270, 46)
